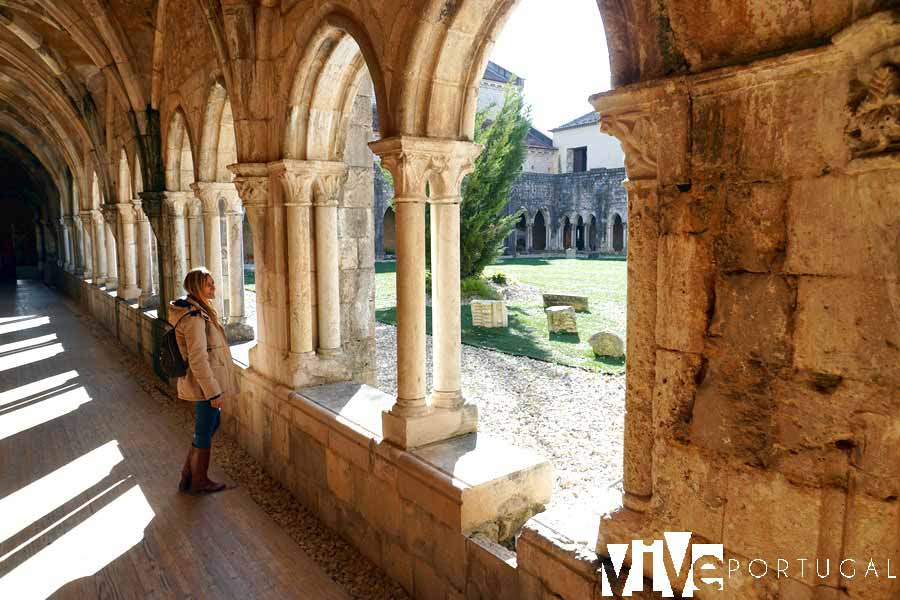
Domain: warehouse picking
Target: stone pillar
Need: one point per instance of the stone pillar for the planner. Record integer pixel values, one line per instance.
(296, 178)
(85, 257)
(196, 255)
(155, 206)
(102, 272)
(331, 177)
(68, 225)
(529, 236)
(412, 421)
(128, 251)
(176, 205)
(237, 329)
(143, 249)
(209, 194)
(450, 168)
(112, 262)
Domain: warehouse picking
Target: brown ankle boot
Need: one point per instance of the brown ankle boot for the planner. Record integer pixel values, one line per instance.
(185, 483)
(200, 483)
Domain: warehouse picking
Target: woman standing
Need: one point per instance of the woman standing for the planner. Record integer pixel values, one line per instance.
(209, 379)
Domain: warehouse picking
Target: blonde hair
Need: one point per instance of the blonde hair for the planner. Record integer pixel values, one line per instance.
(193, 284)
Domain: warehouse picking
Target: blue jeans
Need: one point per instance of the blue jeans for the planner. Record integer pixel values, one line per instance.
(206, 422)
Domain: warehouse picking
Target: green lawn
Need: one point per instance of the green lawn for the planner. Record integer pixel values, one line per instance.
(603, 281)
(249, 280)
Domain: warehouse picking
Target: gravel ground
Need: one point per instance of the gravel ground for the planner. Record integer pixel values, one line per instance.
(572, 417)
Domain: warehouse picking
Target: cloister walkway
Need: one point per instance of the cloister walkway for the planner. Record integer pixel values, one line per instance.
(88, 467)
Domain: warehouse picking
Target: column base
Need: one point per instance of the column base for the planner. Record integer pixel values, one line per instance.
(111, 284)
(449, 400)
(238, 332)
(130, 293)
(149, 301)
(437, 425)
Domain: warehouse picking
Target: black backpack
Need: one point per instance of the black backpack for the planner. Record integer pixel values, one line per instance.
(171, 363)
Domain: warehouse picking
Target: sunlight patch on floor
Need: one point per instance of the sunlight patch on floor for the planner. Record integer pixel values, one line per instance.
(26, 357)
(12, 346)
(22, 325)
(52, 407)
(36, 388)
(84, 550)
(25, 506)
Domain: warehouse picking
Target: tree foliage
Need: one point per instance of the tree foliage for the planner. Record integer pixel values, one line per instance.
(484, 226)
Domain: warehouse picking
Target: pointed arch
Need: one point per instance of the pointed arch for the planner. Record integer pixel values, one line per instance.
(179, 160)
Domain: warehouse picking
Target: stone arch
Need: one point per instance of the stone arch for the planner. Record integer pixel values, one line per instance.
(521, 230)
(218, 142)
(539, 232)
(389, 235)
(592, 233)
(328, 73)
(617, 233)
(179, 159)
(566, 233)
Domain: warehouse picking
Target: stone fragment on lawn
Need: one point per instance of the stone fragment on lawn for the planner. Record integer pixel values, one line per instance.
(561, 319)
(489, 313)
(607, 344)
(579, 303)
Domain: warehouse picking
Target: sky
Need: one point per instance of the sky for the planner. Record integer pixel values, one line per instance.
(559, 48)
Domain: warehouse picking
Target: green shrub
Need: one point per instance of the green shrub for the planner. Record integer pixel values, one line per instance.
(477, 287)
(499, 278)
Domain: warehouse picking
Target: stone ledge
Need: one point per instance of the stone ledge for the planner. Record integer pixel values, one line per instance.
(472, 482)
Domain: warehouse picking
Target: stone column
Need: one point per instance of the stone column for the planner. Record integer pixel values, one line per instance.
(236, 328)
(143, 249)
(529, 236)
(176, 204)
(412, 422)
(87, 257)
(62, 258)
(450, 168)
(155, 206)
(68, 225)
(331, 177)
(102, 272)
(209, 194)
(126, 242)
(297, 179)
(197, 257)
(112, 263)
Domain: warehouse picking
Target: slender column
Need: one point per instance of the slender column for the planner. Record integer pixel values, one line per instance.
(62, 253)
(412, 421)
(329, 186)
(143, 251)
(127, 217)
(297, 181)
(447, 341)
(86, 263)
(112, 262)
(100, 267)
(237, 328)
(67, 226)
(208, 195)
(529, 237)
(195, 245)
(176, 208)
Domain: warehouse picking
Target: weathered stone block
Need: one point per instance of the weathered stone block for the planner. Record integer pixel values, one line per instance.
(492, 571)
(561, 319)
(340, 481)
(578, 303)
(607, 344)
(844, 327)
(753, 235)
(673, 393)
(684, 286)
(752, 317)
(489, 313)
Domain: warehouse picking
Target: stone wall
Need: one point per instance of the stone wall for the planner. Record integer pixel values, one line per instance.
(598, 193)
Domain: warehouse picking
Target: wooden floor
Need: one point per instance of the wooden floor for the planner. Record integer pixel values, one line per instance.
(88, 470)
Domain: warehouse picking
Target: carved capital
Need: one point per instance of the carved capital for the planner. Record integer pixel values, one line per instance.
(152, 203)
(874, 126)
(252, 183)
(638, 135)
(296, 178)
(331, 177)
(126, 212)
(177, 202)
(415, 161)
(110, 214)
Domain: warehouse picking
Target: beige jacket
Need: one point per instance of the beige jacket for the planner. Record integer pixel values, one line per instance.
(205, 348)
